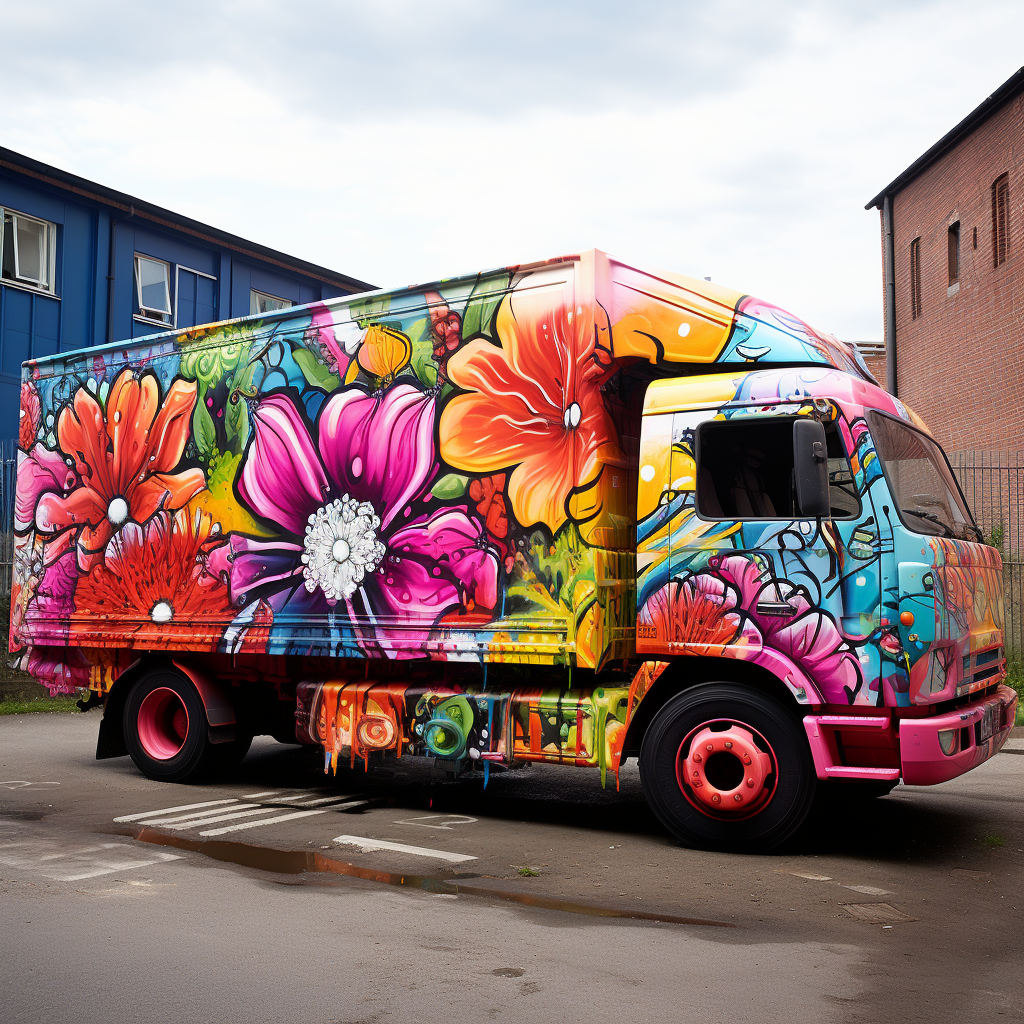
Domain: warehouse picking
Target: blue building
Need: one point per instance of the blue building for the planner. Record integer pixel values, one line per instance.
(83, 264)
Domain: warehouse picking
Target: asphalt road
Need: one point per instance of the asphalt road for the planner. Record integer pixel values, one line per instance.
(282, 894)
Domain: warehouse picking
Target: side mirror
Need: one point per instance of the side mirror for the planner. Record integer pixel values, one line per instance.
(810, 462)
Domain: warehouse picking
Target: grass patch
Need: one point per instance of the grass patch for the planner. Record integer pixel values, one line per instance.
(30, 705)
(1015, 678)
(993, 842)
(528, 872)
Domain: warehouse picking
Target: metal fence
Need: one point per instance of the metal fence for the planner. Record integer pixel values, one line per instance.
(993, 483)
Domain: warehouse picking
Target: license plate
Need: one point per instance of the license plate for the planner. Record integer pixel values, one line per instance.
(987, 726)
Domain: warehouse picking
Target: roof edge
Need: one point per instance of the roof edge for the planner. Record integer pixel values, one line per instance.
(160, 215)
(1011, 88)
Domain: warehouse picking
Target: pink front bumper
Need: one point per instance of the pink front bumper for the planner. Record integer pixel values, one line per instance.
(924, 763)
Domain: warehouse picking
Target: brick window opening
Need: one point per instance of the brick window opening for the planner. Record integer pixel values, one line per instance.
(1000, 219)
(953, 249)
(915, 278)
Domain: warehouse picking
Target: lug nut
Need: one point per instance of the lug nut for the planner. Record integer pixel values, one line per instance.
(728, 744)
(737, 798)
(746, 759)
(710, 747)
(715, 799)
(697, 758)
(750, 783)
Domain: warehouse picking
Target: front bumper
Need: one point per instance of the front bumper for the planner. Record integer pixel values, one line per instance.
(924, 762)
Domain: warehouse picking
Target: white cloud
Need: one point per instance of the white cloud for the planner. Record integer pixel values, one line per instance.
(400, 142)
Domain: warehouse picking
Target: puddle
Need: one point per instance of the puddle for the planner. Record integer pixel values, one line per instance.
(297, 862)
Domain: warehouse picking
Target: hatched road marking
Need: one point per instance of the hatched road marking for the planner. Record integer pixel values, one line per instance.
(368, 845)
(211, 812)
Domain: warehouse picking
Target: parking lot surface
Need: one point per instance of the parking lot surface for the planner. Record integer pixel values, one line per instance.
(282, 893)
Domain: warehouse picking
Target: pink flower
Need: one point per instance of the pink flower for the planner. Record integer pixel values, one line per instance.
(343, 504)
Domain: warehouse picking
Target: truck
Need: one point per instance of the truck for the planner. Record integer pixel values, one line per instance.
(569, 512)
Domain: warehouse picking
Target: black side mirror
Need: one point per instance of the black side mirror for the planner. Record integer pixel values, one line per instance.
(810, 462)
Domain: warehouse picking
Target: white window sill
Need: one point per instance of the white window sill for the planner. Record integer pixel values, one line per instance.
(22, 286)
(154, 323)
(952, 289)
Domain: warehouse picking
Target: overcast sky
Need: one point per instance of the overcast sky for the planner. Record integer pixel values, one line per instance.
(399, 141)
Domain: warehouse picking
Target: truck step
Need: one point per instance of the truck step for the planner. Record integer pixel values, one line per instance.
(874, 774)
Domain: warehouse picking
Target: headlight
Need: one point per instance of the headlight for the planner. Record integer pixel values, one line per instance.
(947, 740)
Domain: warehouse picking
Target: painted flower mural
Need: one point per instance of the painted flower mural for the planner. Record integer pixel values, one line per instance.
(348, 492)
(533, 403)
(124, 455)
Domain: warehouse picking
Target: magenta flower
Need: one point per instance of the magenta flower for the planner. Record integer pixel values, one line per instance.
(808, 637)
(353, 538)
(39, 471)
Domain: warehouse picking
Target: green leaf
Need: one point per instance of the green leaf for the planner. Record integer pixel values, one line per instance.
(451, 486)
(422, 362)
(203, 430)
(315, 371)
(483, 303)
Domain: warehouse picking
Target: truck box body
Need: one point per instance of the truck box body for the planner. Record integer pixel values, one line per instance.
(368, 505)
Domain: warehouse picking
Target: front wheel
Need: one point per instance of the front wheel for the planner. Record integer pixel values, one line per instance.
(727, 767)
(165, 727)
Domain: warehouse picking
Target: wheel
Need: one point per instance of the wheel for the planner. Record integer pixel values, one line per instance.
(225, 756)
(165, 727)
(727, 767)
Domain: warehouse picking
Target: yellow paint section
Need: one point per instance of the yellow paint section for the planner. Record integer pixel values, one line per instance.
(678, 395)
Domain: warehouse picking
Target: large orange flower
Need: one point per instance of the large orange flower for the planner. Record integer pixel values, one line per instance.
(534, 403)
(124, 458)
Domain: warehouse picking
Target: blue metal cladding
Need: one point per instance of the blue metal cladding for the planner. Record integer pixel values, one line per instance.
(207, 282)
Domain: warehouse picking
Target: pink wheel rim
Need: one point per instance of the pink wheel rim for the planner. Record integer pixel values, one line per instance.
(726, 770)
(163, 723)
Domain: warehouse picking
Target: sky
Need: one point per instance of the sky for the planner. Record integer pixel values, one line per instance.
(399, 142)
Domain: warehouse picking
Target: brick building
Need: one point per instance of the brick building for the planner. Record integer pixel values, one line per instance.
(953, 248)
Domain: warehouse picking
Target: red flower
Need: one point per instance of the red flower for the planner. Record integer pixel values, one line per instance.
(124, 456)
(490, 503)
(445, 327)
(28, 424)
(157, 574)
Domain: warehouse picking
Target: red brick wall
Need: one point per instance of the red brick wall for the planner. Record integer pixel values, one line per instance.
(960, 364)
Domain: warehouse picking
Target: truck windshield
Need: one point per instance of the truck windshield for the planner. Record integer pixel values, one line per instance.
(926, 492)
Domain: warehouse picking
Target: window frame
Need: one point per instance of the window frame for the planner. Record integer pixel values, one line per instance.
(915, 279)
(50, 241)
(953, 253)
(253, 292)
(178, 268)
(1000, 220)
(141, 310)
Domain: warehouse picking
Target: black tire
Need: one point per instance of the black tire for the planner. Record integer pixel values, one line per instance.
(789, 790)
(225, 756)
(152, 731)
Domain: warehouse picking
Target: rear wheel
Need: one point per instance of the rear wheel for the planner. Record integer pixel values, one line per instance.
(165, 727)
(727, 767)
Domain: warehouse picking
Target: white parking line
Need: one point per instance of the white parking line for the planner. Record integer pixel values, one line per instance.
(200, 822)
(258, 796)
(198, 815)
(171, 810)
(262, 821)
(368, 845)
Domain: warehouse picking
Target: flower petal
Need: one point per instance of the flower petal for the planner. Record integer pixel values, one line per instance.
(131, 407)
(282, 478)
(165, 490)
(39, 471)
(82, 434)
(379, 449)
(169, 434)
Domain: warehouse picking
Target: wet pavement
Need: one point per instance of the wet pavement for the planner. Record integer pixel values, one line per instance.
(279, 893)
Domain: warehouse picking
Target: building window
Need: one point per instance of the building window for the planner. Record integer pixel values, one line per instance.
(29, 248)
(261, 302)
(1000, 219)
(915, 278)
(974, 243)
(153, 289)
(953, 249)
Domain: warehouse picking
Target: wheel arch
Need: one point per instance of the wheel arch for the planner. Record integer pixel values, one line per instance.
(220, 710)
(684, 673)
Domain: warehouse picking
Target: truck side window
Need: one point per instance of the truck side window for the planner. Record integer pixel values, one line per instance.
(745, 469)
(842, 488)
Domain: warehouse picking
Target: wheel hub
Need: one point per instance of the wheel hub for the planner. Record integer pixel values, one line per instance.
(724, 772)
(163, 723)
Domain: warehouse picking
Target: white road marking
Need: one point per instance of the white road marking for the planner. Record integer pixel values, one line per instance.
(868, 890)
(368, 845)
(449, 819)
(76, 864)
(22, 784)
(200, 822)
(171, 810)
(323, 800)
(262, 821)
(257, 796)
(811, 876)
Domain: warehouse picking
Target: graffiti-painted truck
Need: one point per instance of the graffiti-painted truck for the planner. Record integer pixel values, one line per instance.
(571, 512)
